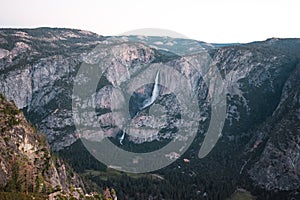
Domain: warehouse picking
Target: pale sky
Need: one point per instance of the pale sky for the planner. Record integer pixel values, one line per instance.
(217, 21)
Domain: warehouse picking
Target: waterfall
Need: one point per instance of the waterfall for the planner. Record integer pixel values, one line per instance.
(154, 95)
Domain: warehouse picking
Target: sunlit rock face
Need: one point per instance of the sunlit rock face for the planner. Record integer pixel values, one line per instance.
(24, 152)
(38, 68)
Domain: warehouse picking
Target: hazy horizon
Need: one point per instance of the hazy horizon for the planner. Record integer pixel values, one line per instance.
(213, 21)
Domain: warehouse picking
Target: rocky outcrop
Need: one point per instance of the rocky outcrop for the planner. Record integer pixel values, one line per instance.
(26, 163)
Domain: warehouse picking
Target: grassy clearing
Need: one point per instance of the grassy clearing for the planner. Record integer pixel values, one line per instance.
(112, 173)
(242, 195)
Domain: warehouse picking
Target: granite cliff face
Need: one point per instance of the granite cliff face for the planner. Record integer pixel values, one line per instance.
(279, 164)
(261, 131)
(36, 72)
